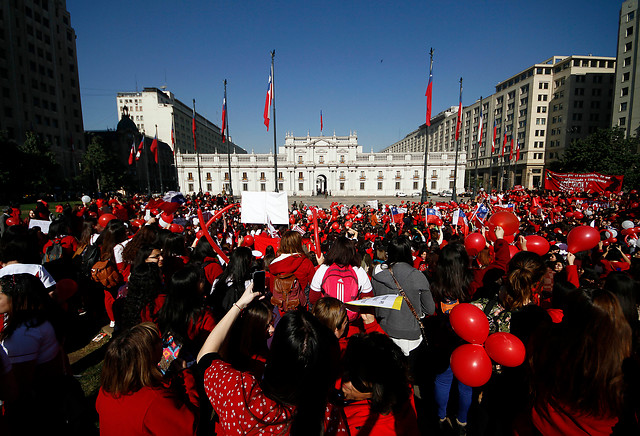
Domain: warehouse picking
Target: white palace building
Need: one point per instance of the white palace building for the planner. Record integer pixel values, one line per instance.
(308, 165)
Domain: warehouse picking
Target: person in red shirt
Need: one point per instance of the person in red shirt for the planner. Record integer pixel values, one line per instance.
(291, 258)
(134, 398)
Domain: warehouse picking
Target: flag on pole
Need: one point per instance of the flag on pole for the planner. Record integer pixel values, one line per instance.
(154, 147)
(459, 121)
(504, 143)
(480, 125)
(479, 214)
(432, 215)
(140, 148)
(459, 219)
(132, 153)
(193, 128)
(173, 139)
(517, 150)
(321, 126)
(493, 141)
(428, 93)
(269, 98)
(511, 150)
(224, 117)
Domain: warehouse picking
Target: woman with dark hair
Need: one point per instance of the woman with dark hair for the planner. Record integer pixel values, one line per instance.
(134, 398)
(292, 396)
(174, 253)
(341, 276)
(146, 236)
(204, 255)
(111, 236)
(402, 325)
(230, 285)
(144, 296)
(291, 260)
(376, 387)
(627, 292)
(183, 314)
(576, 367)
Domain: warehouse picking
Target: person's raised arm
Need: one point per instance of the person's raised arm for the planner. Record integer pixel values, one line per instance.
(219, 333)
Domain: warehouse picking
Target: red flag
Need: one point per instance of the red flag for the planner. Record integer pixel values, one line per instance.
(173, 141)
(517, 151)
(224, 117)
(269, 98)
(480, 125)
(428, 93)
(193, 129)
(132, 153)
(321, 126)
(511, 149)
(493, 142)
(459, 121)
(154, 147)
(504, 143)
(140, 148)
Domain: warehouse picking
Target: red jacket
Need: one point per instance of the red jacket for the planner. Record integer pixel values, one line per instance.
(150, 411)
(503, 257)
(361, 421)
(298, 264)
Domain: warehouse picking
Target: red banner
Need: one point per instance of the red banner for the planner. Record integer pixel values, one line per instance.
(589, 182)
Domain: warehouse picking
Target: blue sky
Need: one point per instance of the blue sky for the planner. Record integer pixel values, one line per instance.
(363, 63)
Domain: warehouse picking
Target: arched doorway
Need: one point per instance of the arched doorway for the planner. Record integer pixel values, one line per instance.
(321, 184)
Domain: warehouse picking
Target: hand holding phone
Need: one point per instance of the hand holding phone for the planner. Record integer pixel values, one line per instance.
(259, 282)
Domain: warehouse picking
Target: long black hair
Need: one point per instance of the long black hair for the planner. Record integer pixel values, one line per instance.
(29, 303)
(399, 250)
(225, 294)
(145, 284)
(453, 274)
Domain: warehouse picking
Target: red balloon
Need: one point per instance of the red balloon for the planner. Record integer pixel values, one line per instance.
(438, 222)
(200, 234)
(247, 241)
(513, 250)
(635, 205)
(474, 243)
(505, 349)
(105, 218)
(582, 238)
(578, 215)
(292, 220)
(335, 226)
(220, 236)
(569, 214)
(471, 365)
(12, 221)
(557, 209)
(348, 224)
(507, 220)
(176, 228)
(470, 323)
(537, 244)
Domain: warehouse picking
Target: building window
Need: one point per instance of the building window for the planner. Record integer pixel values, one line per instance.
(280, 187)
(397, 174)
(263, 187)
(189, 176)
(245, 186)
(415, 185)
(262, 176)
(342, 175)
(226, 176)
(624, 91)
(623, 106)
(397, 185)
(321, 159)
(300, 175)
(300, 159)
(625, 76)
(629, 31)
(209, 187)
(627, 47)
(342, 186)
(362, 186)
(209, 176)
(280, 175)
(622, 121)
(342, 158)
(379, 174)
(190, 187)
(433, 186)
(626, 62)
(434, 173)
(244, 177)
(379, 186)
(300, 186)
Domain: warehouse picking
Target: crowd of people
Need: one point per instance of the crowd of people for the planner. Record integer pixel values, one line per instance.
(224, 327)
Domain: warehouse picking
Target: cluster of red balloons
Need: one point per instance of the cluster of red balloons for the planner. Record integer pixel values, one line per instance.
(471, 363)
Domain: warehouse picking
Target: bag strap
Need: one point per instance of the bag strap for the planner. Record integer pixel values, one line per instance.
(406, 299)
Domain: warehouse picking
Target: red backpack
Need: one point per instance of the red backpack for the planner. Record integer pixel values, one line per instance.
(341, 282)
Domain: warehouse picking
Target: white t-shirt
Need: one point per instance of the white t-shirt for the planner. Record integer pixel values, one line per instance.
(34, 343)
(29, 268)
(364, 284)
(118, 249)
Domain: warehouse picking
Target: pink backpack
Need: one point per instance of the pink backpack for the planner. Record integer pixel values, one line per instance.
(341, 282)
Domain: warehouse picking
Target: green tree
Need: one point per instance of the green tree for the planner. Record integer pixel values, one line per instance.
(38, 167)
(101, 168)
(607, 152)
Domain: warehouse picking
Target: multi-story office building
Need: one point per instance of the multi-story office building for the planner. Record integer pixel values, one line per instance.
(308, 165)
(39, 88)
(626, 102)
(155, 107)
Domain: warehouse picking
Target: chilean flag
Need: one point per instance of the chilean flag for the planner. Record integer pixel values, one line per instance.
(268, 100)
(511, 150)
(132, 153)
(321, 125)
(193, 129)
(459, 121)
(140, 148)
(480, 125)
(459, 219)
(432, 215)
(493, 142)
(173, 141)
(224, 117)
(428, 94)
(480, 214)
(517, 150)
(154, 147)
(504, 143)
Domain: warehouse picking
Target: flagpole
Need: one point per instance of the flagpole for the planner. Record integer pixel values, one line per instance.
(455, 165)
(159, 167)
(196, 148)
(173, 144)
(423, 198)
(491, 160)
(475, 185)
(146, 161)
(273, 107)
(226, 119)
(509, 167)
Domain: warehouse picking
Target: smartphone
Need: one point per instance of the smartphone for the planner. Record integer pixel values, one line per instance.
(259, 282)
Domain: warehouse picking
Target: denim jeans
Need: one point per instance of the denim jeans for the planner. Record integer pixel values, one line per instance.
(443, 386)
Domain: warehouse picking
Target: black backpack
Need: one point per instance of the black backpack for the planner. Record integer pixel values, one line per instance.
(90, 255)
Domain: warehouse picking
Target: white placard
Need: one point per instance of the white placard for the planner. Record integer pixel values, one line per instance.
(262, 207)
(44, 225)
(389, 301)
(373, 204)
